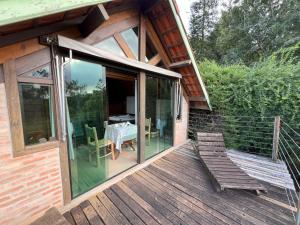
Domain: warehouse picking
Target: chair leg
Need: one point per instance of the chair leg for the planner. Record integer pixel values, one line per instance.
(149, 136)
(90, 156)
(98, 157)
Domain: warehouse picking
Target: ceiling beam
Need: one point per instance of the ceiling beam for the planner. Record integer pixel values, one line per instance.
(39, 31)
(180, 64)
(155, 60)
(93, 20)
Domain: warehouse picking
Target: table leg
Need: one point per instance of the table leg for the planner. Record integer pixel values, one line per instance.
(112, 148)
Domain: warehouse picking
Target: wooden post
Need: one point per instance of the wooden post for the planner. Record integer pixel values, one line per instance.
(298, 211)
(276, 138)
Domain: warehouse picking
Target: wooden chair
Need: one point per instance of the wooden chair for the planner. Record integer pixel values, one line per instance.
(148, 129)
(96, 144)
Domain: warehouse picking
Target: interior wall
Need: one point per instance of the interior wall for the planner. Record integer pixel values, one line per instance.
(181, 126)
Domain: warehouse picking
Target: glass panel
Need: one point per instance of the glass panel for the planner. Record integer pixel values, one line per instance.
(131, 38)
(150, 49)
(41, 72)
(159, 106)
(110, 45)
(100, 145)
(37, 113)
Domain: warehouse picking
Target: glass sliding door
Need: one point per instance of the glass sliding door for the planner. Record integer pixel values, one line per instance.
(159, 115)
(97, 147)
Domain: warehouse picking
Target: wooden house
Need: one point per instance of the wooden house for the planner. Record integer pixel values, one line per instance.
(89, 90)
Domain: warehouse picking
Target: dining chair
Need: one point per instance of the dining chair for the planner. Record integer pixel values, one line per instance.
(148, 129)
(95, 145)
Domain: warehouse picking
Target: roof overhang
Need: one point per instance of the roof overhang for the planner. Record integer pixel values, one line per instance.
(13, 11)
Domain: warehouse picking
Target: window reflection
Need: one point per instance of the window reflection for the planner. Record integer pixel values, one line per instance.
(110, 45)
(159, 116)
(37, 113)
(101, 131)
(131, 38)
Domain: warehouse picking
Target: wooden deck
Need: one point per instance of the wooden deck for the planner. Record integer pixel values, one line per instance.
(176, 190)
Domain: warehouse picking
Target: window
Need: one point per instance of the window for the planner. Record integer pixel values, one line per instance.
(131, 38)
(110, 45)
(37, 113)
(30, 94)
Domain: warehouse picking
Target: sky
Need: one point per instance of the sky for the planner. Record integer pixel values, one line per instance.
(185, 10)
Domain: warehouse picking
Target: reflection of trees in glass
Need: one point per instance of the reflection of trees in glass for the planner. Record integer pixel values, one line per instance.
(86, 107)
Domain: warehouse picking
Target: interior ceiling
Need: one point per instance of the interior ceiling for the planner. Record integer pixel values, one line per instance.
(160, 16)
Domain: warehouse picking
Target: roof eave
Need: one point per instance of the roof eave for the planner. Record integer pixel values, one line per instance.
(190, 52)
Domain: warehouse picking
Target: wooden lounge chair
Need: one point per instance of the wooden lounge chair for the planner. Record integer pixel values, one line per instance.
(224, 173)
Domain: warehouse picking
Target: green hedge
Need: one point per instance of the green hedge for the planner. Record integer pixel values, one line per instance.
(269, 88)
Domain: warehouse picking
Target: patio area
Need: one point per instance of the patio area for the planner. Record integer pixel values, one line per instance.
(176, 190)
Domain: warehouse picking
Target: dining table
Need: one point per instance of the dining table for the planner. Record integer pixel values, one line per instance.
(119, 133)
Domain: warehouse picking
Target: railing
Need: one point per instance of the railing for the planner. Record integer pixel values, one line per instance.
(272, 137)
(289, 152)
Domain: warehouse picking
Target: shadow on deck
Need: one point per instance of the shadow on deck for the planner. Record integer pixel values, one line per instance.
(176, 190)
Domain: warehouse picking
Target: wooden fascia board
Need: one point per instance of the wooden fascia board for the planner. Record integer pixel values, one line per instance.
(93, 20)
(197, 99)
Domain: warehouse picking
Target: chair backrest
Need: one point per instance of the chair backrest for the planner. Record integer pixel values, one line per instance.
(148, 124)
(91, 135)
(210, 142)
(105, 123)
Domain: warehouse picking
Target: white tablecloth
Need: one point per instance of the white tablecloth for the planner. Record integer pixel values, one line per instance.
(120, 132)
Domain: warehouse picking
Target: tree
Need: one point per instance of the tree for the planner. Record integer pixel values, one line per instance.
(203, 18)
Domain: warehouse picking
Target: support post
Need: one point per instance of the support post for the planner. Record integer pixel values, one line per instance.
(298, 211)
(276, 138)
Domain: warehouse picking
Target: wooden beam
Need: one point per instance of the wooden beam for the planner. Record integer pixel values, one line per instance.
(181, 64)
(197, 99)
(108, 57)
(148, 5)
(93, 20)
(14, 107)
(141, 116)
(157, 44)
(142, 38)
(276, 133)
(39, 31)
(126, 49)
(1, 74)
(154, 60)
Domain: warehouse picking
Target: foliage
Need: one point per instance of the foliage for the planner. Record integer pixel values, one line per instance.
(250, 30)
(271, 87)
(203, 18)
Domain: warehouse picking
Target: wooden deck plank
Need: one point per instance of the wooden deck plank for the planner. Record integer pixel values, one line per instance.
(169, 211)
(112, 209)
(261, 204)
(69, 218)
(102, 211)
(90, 213)
(176, 189)
(128, 213)
(79, 216)
(134, 206)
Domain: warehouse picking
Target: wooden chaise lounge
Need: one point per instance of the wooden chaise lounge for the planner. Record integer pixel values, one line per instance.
(224, 173)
